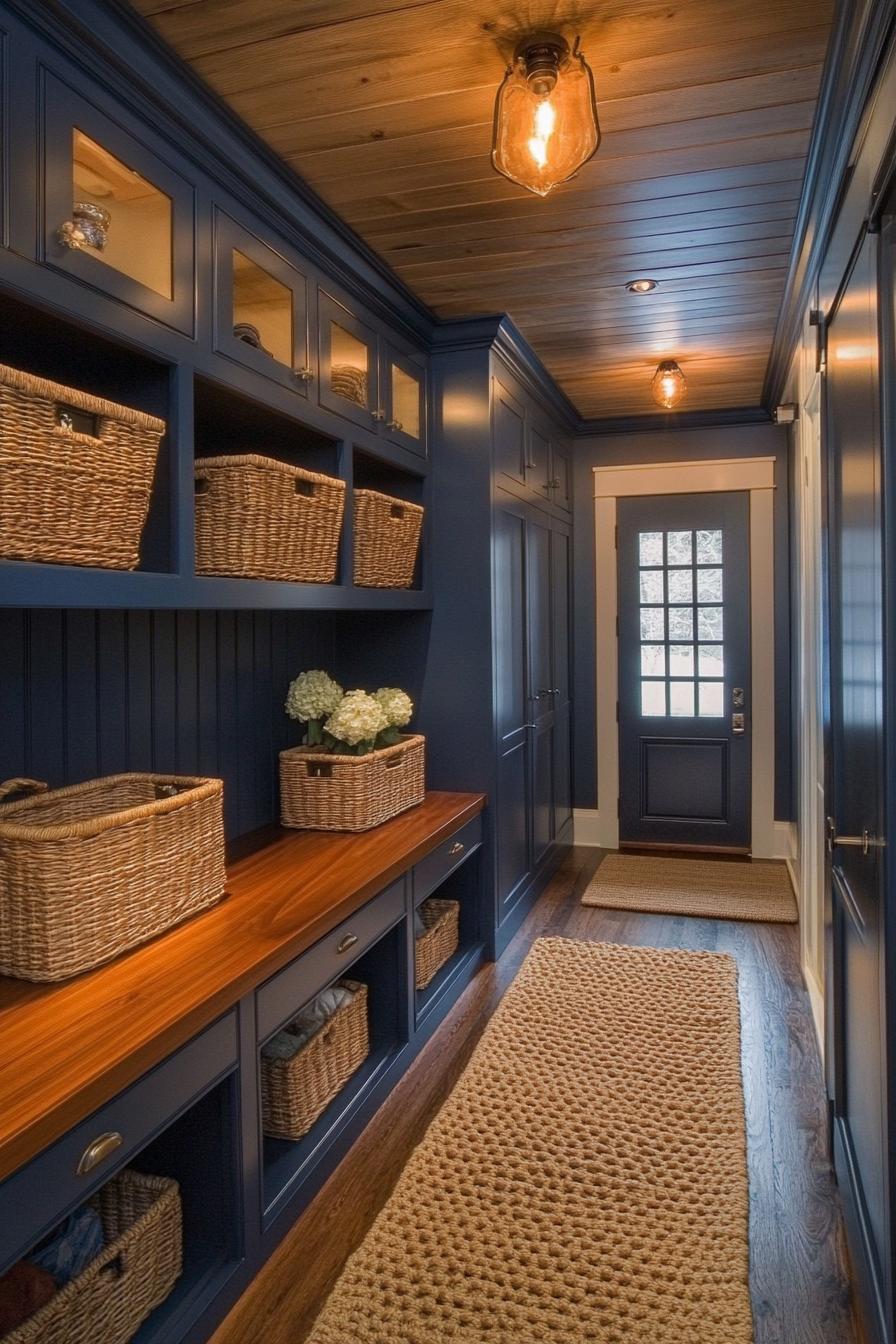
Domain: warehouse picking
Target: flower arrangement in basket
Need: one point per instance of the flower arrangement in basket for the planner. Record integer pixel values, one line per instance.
(355, 768)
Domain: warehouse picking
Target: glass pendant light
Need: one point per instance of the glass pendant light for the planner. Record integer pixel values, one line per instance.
(545, 114)
(669, 384)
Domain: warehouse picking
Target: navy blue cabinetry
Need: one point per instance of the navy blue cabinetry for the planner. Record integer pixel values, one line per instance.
(504, 538)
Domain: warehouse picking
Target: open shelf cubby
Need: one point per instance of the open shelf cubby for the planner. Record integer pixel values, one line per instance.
(286, 1163)
(463, 886)
(199, 1150)
(47, 346)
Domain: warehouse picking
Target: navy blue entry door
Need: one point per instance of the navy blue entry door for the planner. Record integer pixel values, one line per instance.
(684, 671)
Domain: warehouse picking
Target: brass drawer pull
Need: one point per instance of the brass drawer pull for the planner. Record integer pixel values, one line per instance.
(98, 1151)
(345, 943)
(456, 848)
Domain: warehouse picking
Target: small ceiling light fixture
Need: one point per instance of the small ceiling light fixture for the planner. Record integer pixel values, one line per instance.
(641, 286)
(546, 123)
(669, 384)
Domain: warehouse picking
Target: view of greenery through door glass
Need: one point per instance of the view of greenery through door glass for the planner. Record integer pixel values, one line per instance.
(682, 618)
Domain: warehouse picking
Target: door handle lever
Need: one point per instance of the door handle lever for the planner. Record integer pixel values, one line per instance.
(865, 842)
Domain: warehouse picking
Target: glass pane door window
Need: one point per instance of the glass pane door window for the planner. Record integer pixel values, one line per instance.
(405, 402)
(349, 367)
(262, 309)
(122, 215)
(117, 213)
(682, 624)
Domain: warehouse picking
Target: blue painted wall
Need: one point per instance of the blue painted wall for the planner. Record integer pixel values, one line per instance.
(669, 446)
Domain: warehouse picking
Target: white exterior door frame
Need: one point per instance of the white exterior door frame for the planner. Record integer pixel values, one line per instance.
(757, 475)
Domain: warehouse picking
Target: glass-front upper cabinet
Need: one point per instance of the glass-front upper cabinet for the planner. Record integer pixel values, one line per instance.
(116, 215)
(349, 382)
(261, 307)
(405, 397)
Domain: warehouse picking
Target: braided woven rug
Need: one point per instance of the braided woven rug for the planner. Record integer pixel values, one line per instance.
(709, 888)
(585, 1182)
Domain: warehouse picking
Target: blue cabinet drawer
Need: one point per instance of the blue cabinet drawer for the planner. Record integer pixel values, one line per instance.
(62, 1177)
(430, 872)
(287, 991)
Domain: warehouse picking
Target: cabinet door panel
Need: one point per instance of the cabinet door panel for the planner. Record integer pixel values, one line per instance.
(348, 380)
(512, 826)
(538, 462)
(510, 623)
(509, 434)
(562, 769)
(561, 475)
(133, 236)
(538, 603)
(404, 396)
(261, 305)
(542, 790)
(560, 593)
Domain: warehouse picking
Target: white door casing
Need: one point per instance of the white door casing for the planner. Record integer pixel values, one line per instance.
(756, 475)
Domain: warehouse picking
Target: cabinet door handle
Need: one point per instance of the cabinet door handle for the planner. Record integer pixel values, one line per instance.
(395, 426)
(379, 416)
(97, 1151)
(346, 942)
(457, 848)
(305, 375)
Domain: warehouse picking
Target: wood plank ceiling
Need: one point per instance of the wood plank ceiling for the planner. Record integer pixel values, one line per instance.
(385, 108)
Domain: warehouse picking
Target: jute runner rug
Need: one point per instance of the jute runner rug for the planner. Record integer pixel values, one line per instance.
(586, 1179)
(710, 888)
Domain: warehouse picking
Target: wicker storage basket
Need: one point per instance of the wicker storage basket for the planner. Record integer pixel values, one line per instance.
(77, 474)
(261, 519)
(132, 1275)
(294, 1092)
(88, 871)
(439, 942)
(387, 538)
(324, 792)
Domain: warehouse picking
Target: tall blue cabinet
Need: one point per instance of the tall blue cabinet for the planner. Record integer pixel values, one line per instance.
(501, 547)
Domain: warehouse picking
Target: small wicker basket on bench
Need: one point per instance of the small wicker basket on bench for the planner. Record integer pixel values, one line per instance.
(294, 1092)
(77, 473)
(132, 1275)
(387, 538)
(320, 791)
(257, 518)
(440, 941)
(88, 871)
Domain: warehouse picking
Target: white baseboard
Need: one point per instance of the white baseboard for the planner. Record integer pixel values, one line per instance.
(785, 843)
(594, 829)
(816, 1003)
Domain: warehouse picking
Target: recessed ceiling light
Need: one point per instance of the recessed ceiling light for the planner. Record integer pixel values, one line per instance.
(641, 286)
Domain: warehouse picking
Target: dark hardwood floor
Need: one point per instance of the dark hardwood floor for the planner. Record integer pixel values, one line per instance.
(799, 1271)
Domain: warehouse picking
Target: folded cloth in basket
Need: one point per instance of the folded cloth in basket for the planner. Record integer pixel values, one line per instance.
(68, 1251)
(313, 1016)
(24, 1289)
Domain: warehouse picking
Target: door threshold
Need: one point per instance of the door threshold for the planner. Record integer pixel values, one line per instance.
(735, 852)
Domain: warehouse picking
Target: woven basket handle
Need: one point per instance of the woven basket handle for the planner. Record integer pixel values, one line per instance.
(21, 786)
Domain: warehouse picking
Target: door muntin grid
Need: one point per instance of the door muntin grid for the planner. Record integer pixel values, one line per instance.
(682, 623)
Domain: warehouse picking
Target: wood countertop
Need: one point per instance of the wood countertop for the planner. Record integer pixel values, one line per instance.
(68, 1048)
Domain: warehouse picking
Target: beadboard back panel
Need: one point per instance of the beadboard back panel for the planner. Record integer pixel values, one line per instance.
(89, 693)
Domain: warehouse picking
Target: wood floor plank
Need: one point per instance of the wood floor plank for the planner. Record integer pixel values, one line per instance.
(798, 1272)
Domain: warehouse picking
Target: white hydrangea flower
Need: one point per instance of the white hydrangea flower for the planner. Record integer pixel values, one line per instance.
(397, 705)
(358, 718)
(313, 695)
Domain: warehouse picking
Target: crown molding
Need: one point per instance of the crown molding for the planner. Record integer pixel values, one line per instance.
(672, 421)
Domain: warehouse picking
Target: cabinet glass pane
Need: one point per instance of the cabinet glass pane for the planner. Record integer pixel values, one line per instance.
(262, 310)
(406, 402)
(135, 216)
(348, 366)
